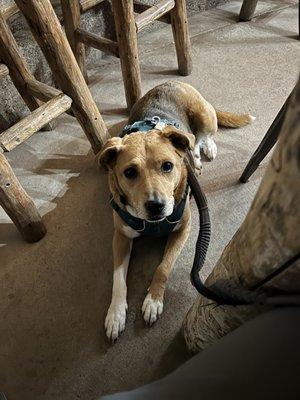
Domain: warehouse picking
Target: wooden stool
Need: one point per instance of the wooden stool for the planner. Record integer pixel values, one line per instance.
(53, 42)
(127, 27)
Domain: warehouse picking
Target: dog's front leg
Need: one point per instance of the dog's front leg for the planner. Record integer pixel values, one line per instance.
(153, 303)
(116, 315)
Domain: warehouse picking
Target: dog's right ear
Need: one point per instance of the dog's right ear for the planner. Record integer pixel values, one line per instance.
(109, 152)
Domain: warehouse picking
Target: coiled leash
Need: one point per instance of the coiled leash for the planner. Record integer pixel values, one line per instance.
(214, 293)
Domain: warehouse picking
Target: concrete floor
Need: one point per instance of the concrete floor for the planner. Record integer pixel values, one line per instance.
(54, 294)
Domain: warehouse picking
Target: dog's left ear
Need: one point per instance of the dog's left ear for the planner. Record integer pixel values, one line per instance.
(181, 140)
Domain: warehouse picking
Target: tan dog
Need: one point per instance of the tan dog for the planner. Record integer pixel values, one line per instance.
(148, 183)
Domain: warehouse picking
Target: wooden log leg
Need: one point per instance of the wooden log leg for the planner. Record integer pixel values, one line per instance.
(181, 37)
(18, 69)
(19, 205)
(48, 33)
(247, 10)
(128, 50)
(267, 240)
(266, 144)
(72, 17)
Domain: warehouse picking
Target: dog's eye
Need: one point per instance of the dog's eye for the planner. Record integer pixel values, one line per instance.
(167, 166)
(130, 173)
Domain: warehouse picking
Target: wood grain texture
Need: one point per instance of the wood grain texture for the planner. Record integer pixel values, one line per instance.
(48, 33)
(153, 13)
(18, 69)
(127, 41)
(140, 7)
(44, 92)
(100, 43)
(3, 71)
(247, 10)
(19, 205)
(268, 237)
(33, 122)
(181, 37)
(9, 10)
(41, 90)
(72, 15)
(85, 5)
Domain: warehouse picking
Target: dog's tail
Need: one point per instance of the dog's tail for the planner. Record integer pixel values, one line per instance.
(231, 120)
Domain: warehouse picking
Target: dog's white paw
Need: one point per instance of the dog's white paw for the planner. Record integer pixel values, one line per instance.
(151, 309)
(209, 148)
(115, 320)
(198, 163)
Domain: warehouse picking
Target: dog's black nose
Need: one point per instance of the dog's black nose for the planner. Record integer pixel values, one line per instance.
(154, 207)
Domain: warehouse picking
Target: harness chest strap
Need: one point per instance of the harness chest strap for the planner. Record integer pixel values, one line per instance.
(145, 227)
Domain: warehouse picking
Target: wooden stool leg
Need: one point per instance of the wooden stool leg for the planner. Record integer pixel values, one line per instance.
(72, 16)
(267, 143)
(19, 205)
(53, 42)
(128, 50)
(181, 37)
(247, 10)
(18, 69)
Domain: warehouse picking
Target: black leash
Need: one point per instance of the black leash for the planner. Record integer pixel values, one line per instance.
(218, 296)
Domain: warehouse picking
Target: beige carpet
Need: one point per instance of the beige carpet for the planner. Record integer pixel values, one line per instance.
(54, 294)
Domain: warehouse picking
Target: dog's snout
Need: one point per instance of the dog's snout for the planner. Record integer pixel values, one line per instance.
(154, 207)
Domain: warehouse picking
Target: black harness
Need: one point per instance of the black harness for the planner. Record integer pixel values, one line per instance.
(162, 227)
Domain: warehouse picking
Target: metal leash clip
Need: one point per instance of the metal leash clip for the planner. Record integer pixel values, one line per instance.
(159, 125)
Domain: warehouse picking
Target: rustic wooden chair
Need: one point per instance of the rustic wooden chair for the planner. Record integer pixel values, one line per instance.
(75, 96)
(127, 27)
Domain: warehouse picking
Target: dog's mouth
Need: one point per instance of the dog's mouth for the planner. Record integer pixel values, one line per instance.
(156, 218)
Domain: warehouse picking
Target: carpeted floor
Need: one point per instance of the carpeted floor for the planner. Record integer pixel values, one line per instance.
(54, 294)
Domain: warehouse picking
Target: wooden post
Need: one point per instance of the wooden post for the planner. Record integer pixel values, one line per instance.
(267, 239)
(19, 205)
(247, 10)
(140, 7)
(48, 33)
(181, 37)
(100, 43)
(9, 10)
(3, 71)
(153, 13)
(72, 16)
(128, 50)
(18, 69)
(33, 122)
(85, 5)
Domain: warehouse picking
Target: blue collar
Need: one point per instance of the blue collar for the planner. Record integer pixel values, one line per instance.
(147, 124)
(143, 226)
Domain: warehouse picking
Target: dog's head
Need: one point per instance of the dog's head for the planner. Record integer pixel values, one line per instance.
(147, 171)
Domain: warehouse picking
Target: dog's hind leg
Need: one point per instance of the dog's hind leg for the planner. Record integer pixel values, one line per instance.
(116, 315)
(203, 119)
(207, 145)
